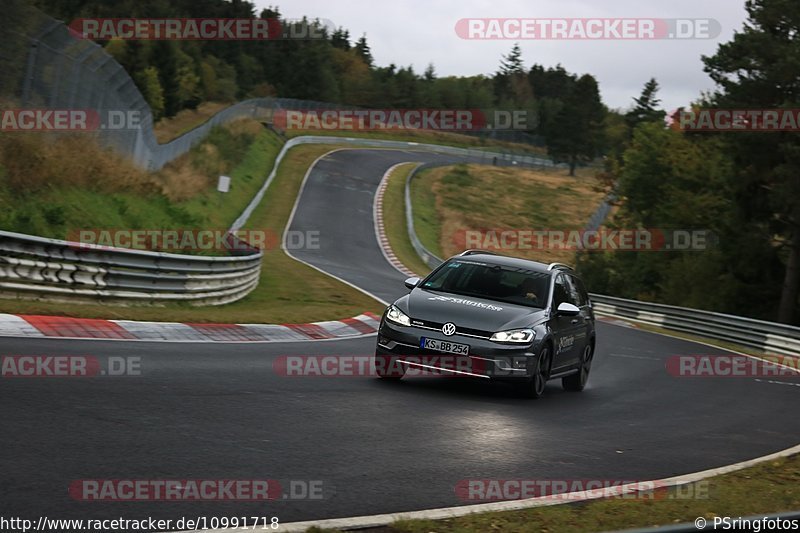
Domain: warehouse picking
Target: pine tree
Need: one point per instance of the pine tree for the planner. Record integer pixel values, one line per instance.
(364, 52)
(647, 106)
(759, 69)
(430, 73)
(512, 63)
(576, 132)
(341, 39)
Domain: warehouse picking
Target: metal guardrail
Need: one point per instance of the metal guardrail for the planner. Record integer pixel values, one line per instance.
(428, 257)
(601, 213)
(768, 337)
(62, 271)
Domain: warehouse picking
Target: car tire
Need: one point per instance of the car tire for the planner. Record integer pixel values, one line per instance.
(534, 386)
(387, 368)
(576, 382)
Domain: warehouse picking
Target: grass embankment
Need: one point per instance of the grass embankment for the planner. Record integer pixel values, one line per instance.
(450, 200)
(186, 120)
(394, 219)
(53, 188)
(288, 291)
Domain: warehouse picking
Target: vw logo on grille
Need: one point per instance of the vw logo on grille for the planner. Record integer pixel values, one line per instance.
(449, 328)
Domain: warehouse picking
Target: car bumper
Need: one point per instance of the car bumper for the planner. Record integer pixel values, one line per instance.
(400, 345)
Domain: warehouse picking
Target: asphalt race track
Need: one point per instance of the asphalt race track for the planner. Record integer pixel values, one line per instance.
(337, 201)
(219, 411)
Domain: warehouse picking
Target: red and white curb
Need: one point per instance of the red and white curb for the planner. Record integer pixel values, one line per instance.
(380, 229)
(33, 326)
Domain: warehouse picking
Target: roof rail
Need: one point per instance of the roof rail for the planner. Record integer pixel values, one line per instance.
(552, 266)
(475, 251)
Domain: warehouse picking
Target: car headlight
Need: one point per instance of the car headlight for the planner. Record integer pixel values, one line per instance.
(517, 336)
(393, 314)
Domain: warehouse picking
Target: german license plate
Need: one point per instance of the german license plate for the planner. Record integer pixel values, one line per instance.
(444, 346)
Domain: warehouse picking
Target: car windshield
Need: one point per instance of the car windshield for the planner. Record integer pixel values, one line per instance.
(493, 282)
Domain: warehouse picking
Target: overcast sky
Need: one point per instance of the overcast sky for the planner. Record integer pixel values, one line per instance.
(418, 32)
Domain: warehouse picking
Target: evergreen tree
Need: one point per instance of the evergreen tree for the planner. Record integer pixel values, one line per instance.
(647, 106)
(364, 52)
(512, 63)
(341, 39)
(575, 134)
(760, 69)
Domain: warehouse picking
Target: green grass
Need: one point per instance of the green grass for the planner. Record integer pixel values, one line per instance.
(185, 121)
(221, 209)
(58, 210)
(288, 291)
(394, 218)
(452, 199)
(427, 221)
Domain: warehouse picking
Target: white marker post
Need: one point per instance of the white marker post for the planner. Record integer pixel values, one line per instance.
(223, 186)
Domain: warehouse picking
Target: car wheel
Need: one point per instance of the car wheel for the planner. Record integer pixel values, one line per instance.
(534, 388)
(388, 368)
(576, 382)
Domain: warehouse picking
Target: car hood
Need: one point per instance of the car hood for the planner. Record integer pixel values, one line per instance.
(468, 311)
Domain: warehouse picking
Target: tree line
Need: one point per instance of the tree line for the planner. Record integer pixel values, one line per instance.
(337, 68)
(743, 188)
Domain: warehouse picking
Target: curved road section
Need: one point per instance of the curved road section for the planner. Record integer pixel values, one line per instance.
(337, 201)
(346, 446)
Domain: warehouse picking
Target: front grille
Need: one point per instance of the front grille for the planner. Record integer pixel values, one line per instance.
(465, 331)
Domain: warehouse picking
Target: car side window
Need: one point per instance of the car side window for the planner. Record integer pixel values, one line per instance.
(560, 291)
(581, 290)
(575, 294)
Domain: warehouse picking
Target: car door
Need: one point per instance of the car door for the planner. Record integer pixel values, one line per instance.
(567, 328)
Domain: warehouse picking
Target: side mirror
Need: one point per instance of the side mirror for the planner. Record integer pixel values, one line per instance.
(568, 309)
(412, 282)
